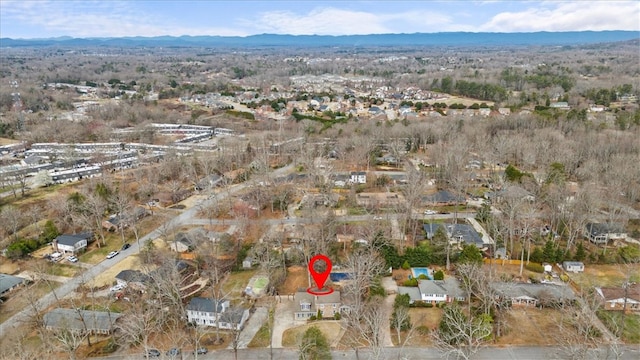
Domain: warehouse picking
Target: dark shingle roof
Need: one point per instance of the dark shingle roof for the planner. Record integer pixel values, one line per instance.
(9, 281)
(73, 319)
(206, 305)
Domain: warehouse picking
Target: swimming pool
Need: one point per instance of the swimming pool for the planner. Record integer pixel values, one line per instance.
(417, 271)
(339, 276)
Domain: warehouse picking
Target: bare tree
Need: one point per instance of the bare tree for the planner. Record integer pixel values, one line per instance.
(459, 335)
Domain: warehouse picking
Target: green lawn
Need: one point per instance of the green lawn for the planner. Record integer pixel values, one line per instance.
(261, 339)
(237, 282)
(613, 320)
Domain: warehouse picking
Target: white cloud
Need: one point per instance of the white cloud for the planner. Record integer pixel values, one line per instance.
(569, 16)
(96, 19)
(333, 21)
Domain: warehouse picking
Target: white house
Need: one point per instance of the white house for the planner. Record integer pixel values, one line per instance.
(573, 266)
(329, 305)
(358, 177)
(216, 313)
(71, 243)
(435, 291)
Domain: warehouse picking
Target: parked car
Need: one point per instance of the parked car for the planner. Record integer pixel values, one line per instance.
(430, 212)
(72, 259)
(173, 352)
(377, 217)
(153, 353)
(200, 351)
(117, 288)
(125, 246)
(112, 254)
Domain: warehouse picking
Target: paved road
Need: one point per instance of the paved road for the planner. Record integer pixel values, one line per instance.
(72, 284)
(489, 353)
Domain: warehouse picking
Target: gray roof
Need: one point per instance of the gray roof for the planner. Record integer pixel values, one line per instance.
(132, 276)
(9, 281)
(232, 315)
(206, 305)
(449, 286)
(72, 239)
(303, 295)
(596, 229)
(413, 291)
(536, 291)
(443, 196)
(72, 319)
(464, 232)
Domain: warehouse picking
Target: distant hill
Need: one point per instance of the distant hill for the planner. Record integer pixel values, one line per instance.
(417, 39)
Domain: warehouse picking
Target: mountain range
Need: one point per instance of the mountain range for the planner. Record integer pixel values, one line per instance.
(271, 40)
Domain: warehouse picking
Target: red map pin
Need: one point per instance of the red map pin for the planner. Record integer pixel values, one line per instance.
(320, 277)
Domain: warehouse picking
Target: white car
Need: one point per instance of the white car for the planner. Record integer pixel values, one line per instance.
(117, 288)
(430, 212)
(377, 218)
(72, 259)
(112, 254)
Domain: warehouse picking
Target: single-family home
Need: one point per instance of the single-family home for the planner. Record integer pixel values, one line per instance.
(72, 243)
(358, 177)
(620, 298)
(216, 313)
(435, 291)
(329, 305)
(525, 294)
(601, 233)
(75, 320)
(456, 233)
(573, 266)
(442, 198)
(9, 283)
(205, 311)
(132, 278)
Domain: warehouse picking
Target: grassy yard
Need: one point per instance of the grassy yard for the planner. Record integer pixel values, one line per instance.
(59, 269)
(613, 320)
(606, 275)
(330, 329)
(237, 282)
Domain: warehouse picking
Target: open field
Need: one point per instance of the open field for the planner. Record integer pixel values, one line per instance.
(606, 275)
(532, 326)
(330, 329)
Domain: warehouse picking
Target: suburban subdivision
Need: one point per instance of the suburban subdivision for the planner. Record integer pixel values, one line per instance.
(476, 201)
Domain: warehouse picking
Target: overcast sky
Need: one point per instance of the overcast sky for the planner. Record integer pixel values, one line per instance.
(112, 18)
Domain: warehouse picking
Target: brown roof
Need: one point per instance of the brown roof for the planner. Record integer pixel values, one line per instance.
(612, 293)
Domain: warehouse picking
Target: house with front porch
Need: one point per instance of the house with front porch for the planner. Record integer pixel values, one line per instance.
(434, 291)
(621, 298)
(72, 243)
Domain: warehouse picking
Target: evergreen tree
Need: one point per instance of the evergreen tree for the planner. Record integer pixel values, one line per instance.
(470, 254)
(314, 345)
(580, 252)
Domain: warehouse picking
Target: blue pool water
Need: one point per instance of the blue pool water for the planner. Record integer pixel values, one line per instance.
(338, 276)
(416, 272)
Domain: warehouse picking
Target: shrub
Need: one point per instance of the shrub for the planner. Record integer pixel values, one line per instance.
(535, 267)
(423, 277)
(411, 282)
(337, 316)
(438, 275)
(405, 265)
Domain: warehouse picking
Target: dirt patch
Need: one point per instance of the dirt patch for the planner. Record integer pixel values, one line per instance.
(331, 330)
(512, 272)
(109, 276)
(400, 276)
(296, 278)
(532, 327)
(9, 267)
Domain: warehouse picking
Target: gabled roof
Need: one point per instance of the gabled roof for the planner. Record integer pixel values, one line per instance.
(72, 239)
(448, 286)
(73, 319)
(303, 295)
(232, 315)
(412, 291)
(9, 281)
(613, 293)
(443, 196)
(207, 305)
(132, 276)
